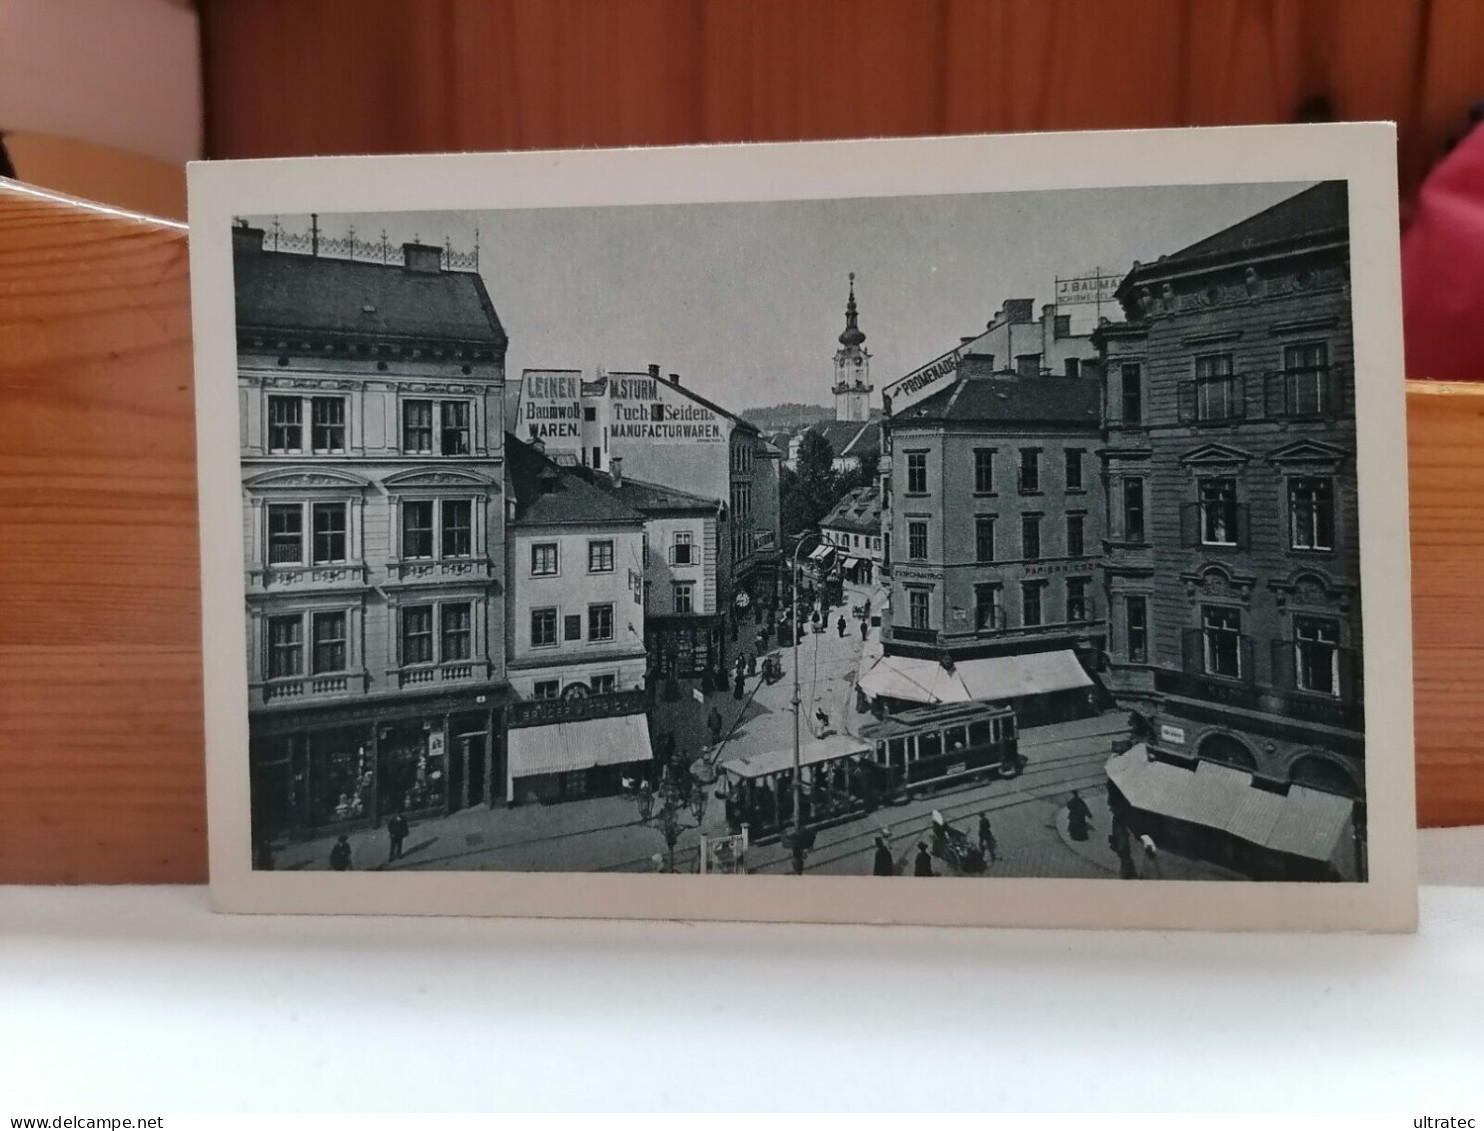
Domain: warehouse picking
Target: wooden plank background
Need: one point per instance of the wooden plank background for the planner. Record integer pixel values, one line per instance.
(100, 697)
(292, 77)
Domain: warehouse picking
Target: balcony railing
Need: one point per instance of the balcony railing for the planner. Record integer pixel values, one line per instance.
(1281, 695)
(1316, 668)
(415, 569)
(328, 573)
(283, 688)
(426, 674)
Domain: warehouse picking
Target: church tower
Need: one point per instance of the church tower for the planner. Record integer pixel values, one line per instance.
(852, 368)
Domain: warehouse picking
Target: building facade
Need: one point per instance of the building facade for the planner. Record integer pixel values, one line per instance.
(371, 401)
(684, 616)
(994, 531)
(1232, 553)
(853, 528)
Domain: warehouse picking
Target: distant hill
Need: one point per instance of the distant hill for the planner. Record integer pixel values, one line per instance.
(782, 417)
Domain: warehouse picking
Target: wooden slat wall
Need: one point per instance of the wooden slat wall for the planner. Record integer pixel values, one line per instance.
(289, 77)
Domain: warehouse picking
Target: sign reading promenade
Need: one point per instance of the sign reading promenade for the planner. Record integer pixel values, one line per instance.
(920, 382)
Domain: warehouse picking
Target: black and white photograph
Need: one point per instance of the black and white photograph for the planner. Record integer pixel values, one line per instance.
(966, 533)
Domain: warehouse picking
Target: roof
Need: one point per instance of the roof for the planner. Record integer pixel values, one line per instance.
(1322, 210)
(1301, 822)
(279, 290)
(830, 749)
(1021, 400)
(646, 497)
(572, 501)
(858, 510)
(850, 438)
(744, 425)
(563, 747)
(912, 680)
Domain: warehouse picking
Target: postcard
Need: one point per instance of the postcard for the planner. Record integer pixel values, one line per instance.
(757, 532)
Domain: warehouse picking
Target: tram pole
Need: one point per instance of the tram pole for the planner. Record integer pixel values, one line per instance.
(797, 701)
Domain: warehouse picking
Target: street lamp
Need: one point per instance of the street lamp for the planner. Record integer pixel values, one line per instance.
(798, 845)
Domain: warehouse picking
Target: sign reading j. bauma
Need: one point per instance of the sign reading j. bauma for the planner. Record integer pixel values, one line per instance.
(1086, 289)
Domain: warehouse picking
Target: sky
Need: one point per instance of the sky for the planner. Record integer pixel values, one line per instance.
(746, 301)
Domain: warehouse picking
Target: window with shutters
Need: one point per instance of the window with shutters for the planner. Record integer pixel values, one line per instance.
(1311, 511)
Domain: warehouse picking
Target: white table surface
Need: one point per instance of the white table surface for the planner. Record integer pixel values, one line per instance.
(141, 1000)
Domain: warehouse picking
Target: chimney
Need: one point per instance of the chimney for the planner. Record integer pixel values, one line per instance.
(675, 378)
(1020, 310)
(654, 371)
(421, 258)
(1048, 312)
(615, 470)
(1062, 326)
(246, 238)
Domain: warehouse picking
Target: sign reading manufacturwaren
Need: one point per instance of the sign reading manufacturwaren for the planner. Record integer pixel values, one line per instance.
(920, 382)
(647, 409)
(1087, 289)
(551, 406)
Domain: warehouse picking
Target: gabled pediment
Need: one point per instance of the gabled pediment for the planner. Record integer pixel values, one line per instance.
(300, 479)
(441, 477)
(1215, 455)
(1309, 453)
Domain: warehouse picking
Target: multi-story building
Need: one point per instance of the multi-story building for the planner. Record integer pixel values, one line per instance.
(574, 629)
(995, 529)
(372, 457)
(1232, 553)
(853, 528)
(684, 620)
(668, 435)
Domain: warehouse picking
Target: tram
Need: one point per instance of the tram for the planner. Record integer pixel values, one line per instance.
(929, 748)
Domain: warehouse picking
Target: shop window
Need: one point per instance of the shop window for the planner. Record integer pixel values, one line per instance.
(605, 684)
(546, 689)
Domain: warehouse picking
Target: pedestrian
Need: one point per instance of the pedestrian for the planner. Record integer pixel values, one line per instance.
(1151, 857)
(923, 865)
(883, 865)
(397, 830)
(840, 626)
(340, 855)
(987, 843)
(1079, 817)
(752, 663)
(739, 685)
(865, 628)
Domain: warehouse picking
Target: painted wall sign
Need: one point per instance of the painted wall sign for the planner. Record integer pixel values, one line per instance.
(920, 382)
(551, 406)
(646, 409)
(1175, 736)
(1086, 290)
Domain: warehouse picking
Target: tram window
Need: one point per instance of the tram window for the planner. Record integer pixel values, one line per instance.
(958, 737)
(929, 745)
(912, 753)
(898, 748)
(881, 753)
(981, 733)
(1007, 727)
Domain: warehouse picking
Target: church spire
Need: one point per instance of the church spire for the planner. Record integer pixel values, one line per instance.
(852, 335)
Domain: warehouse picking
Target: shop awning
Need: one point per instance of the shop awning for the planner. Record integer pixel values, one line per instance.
(851, 563)
(562, 747)
(1013, 677)
(821, 552)
(1304, 822)
(914, 681)
(830, 749)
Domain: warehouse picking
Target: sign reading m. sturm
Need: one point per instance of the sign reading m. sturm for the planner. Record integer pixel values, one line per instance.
(642, 411)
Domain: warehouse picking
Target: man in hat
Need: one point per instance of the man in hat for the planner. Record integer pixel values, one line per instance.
(923, 865)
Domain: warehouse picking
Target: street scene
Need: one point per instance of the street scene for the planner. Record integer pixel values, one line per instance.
(942, 582)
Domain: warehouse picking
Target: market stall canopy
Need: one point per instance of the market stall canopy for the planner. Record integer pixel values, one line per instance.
(1303, 822)
(1014, 677)
(562, 747)
(914, 681)
(830, 749)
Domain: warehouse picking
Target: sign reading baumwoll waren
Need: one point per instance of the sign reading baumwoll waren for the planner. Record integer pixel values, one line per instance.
(645, 408)
(920, 382)
(1087, 289)
(551, 406)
